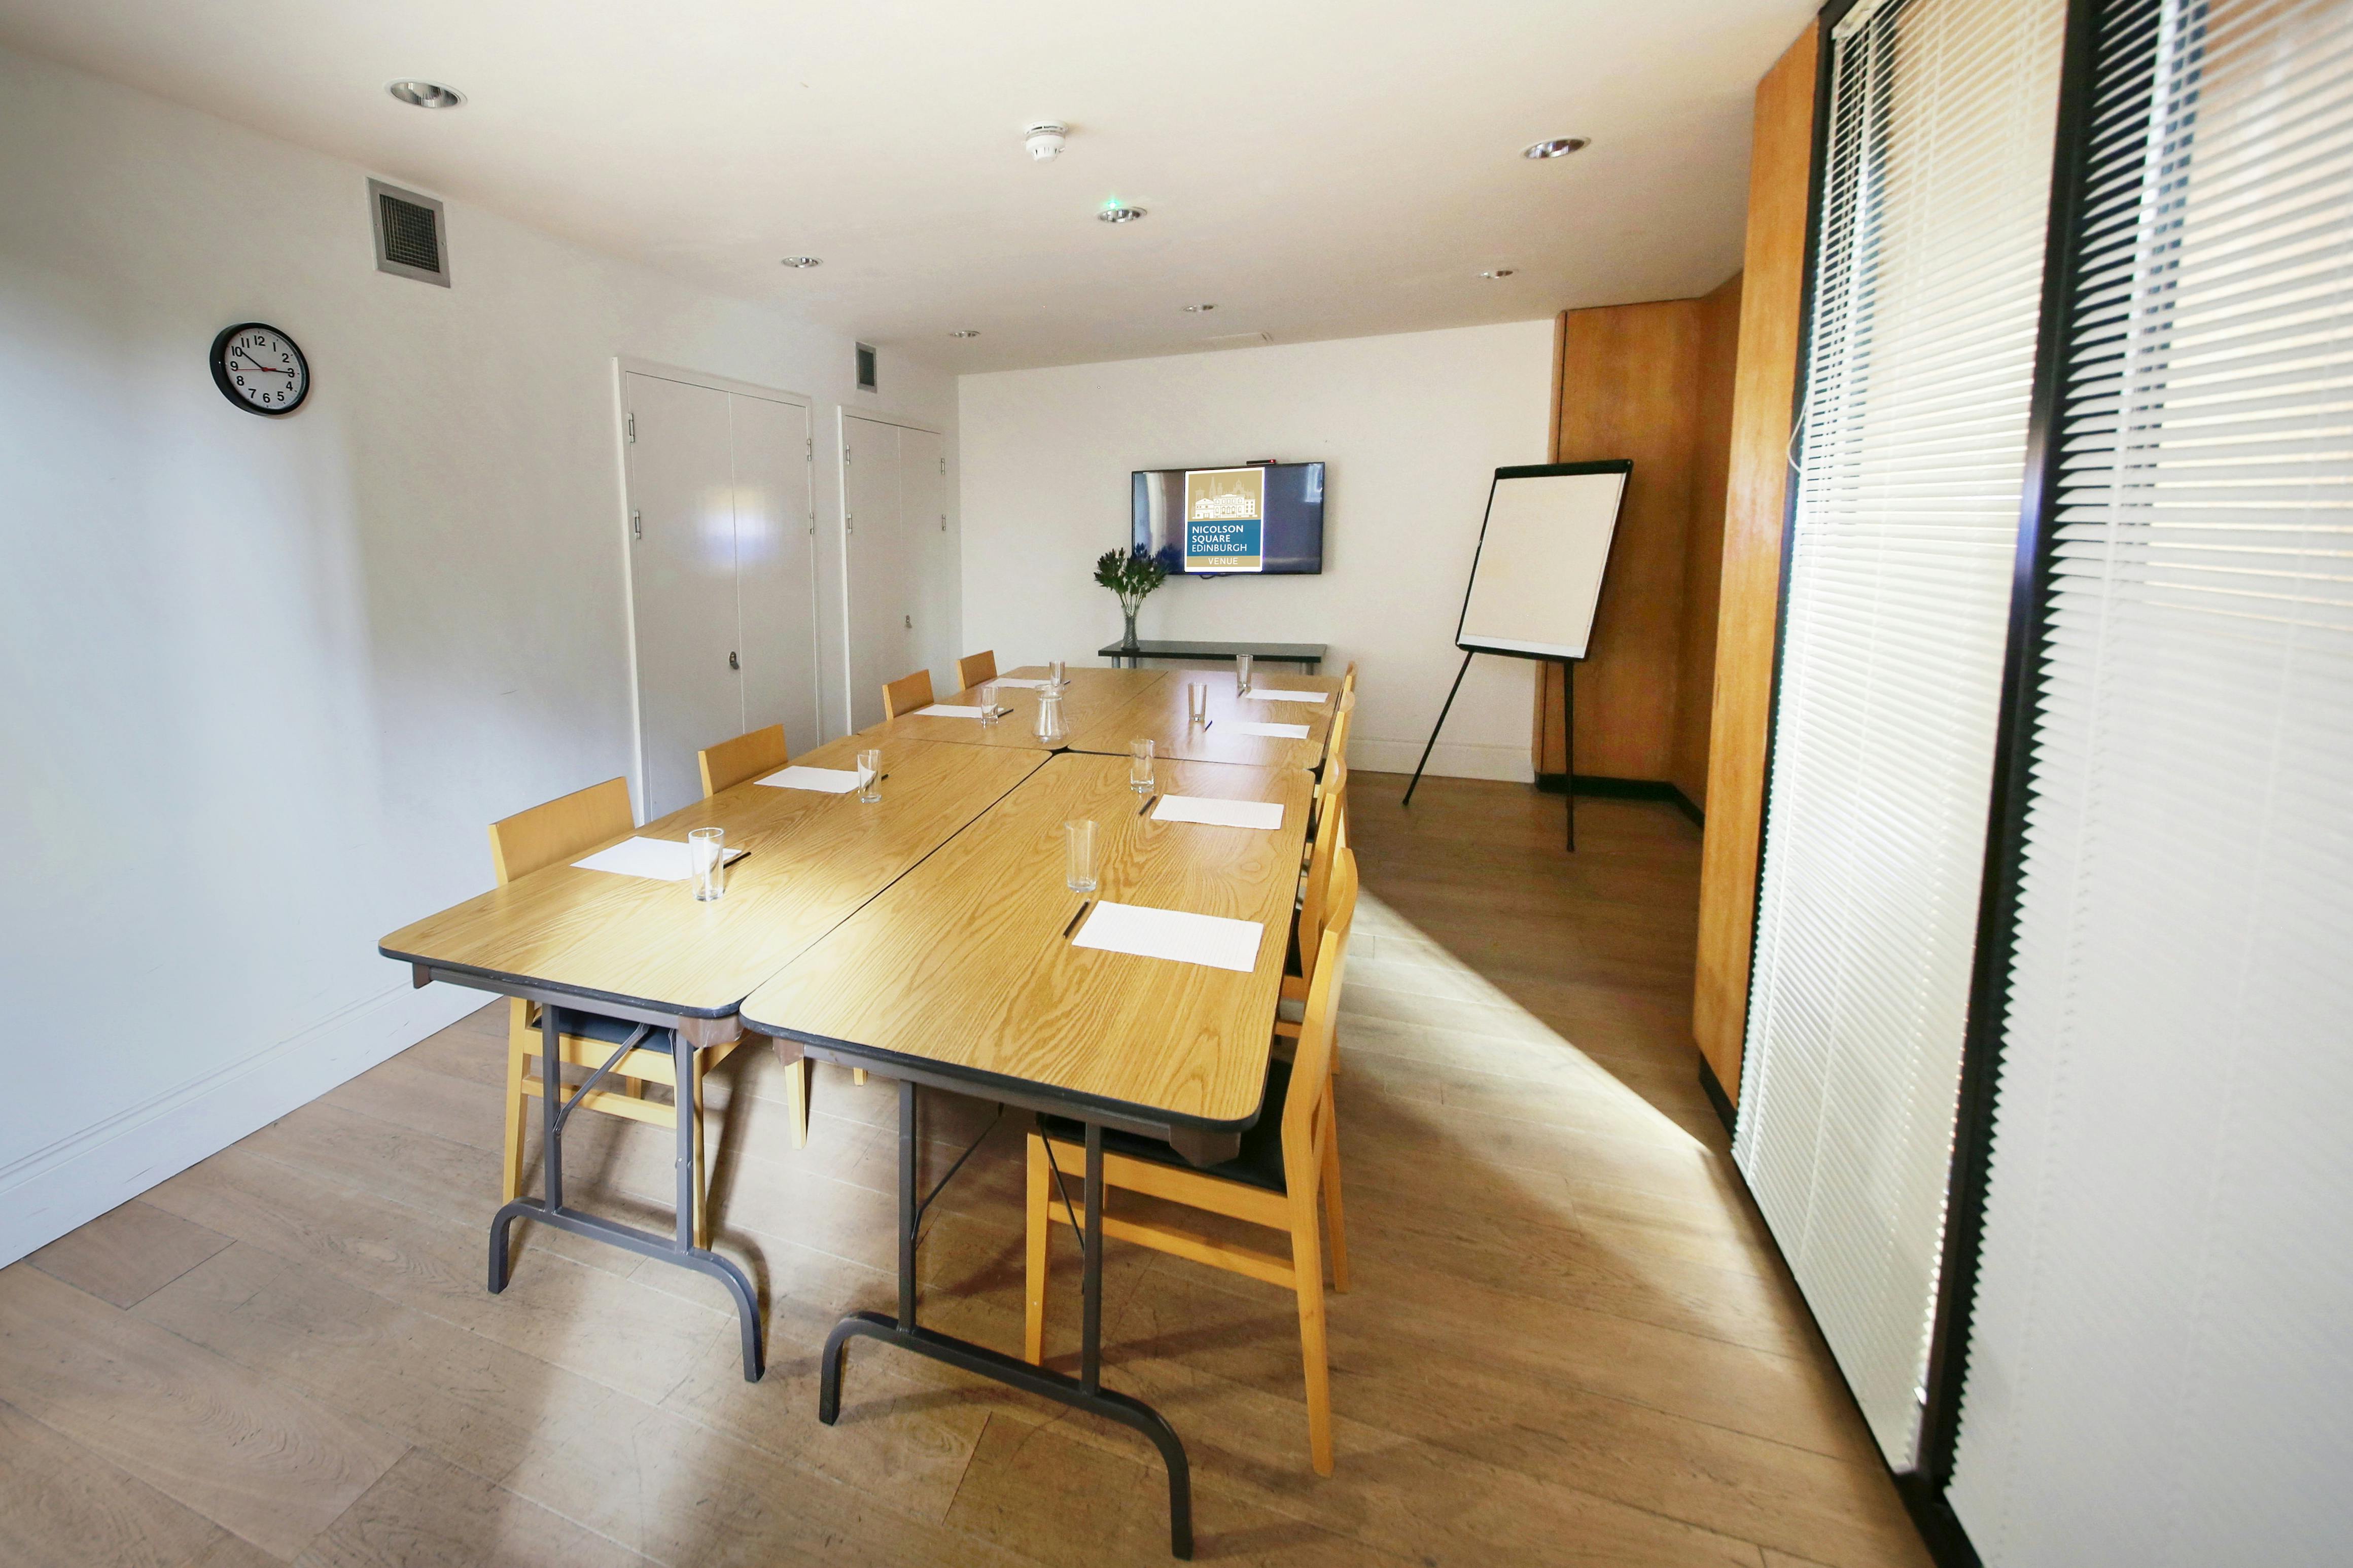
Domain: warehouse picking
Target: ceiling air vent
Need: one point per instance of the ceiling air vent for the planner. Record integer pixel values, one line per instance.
(1240, 339)
(409, 240)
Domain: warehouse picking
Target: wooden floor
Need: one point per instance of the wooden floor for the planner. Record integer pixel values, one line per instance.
(1569, 1341)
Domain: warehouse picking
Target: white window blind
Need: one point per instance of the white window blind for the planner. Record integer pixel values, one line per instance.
(1927, 285)
(2159, 1370)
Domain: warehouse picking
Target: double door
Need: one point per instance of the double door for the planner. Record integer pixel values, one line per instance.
(723, 575)
(902, 570)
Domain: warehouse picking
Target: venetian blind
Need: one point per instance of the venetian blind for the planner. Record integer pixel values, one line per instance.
(1926, 288)
(2158, 1372)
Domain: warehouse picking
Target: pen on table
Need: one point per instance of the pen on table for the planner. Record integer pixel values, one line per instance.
(1146, 806)
(1075, 919)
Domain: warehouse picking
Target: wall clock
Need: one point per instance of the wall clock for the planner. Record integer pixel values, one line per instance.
(258, 368)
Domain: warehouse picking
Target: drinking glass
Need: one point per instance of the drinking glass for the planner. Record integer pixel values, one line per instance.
(1049, 716)
(1242, 673)
(1079, 856)
(988, 712)
(869, 777)
(706, 851)
(1057, 672)
(1196, 704)
(1139, 766)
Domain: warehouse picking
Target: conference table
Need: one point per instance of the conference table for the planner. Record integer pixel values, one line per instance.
(930, 938)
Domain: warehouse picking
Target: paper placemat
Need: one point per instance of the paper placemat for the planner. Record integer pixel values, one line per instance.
(949, 711)
(1172, 934)
(1263, 813)
(826, 781)
(1256, 696)
(1026, 685)
(1279, 731)
(656, 860)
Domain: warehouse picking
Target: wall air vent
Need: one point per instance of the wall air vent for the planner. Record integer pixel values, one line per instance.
(1240, 339)
(410, 241)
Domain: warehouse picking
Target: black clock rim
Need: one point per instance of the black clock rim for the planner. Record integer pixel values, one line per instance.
(228, 387)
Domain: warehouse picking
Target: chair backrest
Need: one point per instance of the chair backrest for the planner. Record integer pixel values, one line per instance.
(907, 693)
(1311, 1058)
(975, 667)
(1348, 680)
(560, 829)
(1344, 719)
(1315, 905)
(750, 756)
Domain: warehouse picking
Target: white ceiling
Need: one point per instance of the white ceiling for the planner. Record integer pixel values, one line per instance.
(1317, 168)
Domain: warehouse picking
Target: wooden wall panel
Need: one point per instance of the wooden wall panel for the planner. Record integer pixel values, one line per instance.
(1764, 382)
(1628, 390)
(1703, 545)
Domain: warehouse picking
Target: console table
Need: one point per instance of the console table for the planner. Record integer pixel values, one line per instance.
(1306, 655)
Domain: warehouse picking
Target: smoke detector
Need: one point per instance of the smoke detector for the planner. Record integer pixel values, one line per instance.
(1045, 140)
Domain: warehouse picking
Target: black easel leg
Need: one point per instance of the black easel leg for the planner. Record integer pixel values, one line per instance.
(1435, 727)
(1568, 745)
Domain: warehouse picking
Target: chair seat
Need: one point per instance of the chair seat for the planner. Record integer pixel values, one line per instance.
(612, 1031)
(1259, 1165)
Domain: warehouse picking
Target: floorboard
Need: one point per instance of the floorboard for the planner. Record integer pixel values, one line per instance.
(1570, 1341)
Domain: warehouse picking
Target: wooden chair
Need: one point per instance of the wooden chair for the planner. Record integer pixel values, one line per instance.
(564, 829)
(974, 668)
(907, 694)
(1287, 1161)
(1316, 907)
(752, 756)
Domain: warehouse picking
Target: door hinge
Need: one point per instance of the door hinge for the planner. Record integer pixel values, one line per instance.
(848, 523)
(944, 464)
(911, 623)
(845, 456)
(943, 522)
(633, 431)
(637, 523)
(808, 447)
(732, 663)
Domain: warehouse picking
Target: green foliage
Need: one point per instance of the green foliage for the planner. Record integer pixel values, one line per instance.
(1131, 576)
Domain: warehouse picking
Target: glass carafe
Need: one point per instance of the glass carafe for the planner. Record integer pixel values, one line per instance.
(1049, 728)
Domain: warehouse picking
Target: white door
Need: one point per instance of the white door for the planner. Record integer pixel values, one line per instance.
(776, 557)
(882, 566)
(922, 467)
(682, 583)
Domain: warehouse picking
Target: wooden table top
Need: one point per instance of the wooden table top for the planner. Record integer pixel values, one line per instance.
(962, 964)
(1091, 693)
(814, 860)
(1158, 714)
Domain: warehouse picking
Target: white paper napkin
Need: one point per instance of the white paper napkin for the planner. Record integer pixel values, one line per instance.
(1210, 940)
(656, 859)
(1256, 696)
(1262, 814)
(1280, 731)
(826, 781)
(949, 711)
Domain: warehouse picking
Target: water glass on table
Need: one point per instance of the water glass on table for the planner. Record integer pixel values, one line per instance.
(1058, 673)
(989, 711)
(1079, 856)
(869, 777)
(1139, 766)
(1241, 674)
(706, 851)
(1197, 703)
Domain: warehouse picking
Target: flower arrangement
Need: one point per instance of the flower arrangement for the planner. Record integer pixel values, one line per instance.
(1132, 575)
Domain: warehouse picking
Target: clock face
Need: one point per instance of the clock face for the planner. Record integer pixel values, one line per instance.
(259, 369)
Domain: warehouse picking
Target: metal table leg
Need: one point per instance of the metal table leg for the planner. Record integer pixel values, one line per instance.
(556, 1110)
(1084, 1392)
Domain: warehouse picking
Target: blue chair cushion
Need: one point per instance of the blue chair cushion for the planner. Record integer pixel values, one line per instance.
(1258, 1164)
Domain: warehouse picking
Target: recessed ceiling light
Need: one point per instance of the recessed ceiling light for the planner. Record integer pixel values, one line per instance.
(802, 261)
(964, 332)
(1113, 211)
(1196, 310)
(424, 94)
(1554, 147)
(1497, 274)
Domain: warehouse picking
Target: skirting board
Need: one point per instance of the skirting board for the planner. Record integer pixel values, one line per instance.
(75, 1180)
(1450, 759)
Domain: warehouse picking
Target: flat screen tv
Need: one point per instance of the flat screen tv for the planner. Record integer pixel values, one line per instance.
(1265, 518)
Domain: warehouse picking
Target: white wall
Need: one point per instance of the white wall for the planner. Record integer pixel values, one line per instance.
(1413, 427)
(267, 680)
